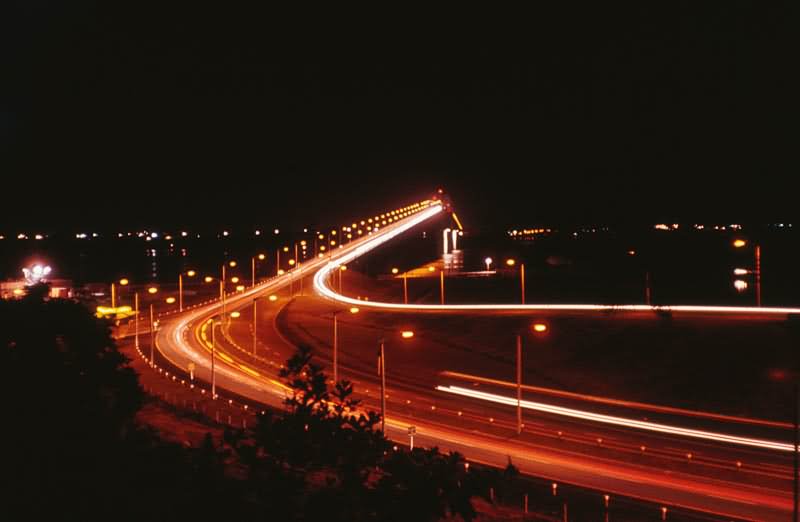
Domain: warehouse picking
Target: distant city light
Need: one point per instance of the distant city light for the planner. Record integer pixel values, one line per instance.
(277, 231)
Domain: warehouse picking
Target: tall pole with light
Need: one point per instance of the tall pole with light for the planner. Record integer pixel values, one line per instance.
(152, 291)
(352, 310)
(739, 243)
(538, 328)
(382, 373)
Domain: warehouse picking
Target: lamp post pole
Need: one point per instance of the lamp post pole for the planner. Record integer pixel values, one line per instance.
(758, 289)
(522, 280)
(405, 288)
(335, 348)
(382, 371)
(113, 296)
(180, 292)
(213, 352)
(519, 384)
(136, 320)
(441, 286)
(152, 337)
(255, 322)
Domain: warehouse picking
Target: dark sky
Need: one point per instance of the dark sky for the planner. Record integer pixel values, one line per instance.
(146, 114)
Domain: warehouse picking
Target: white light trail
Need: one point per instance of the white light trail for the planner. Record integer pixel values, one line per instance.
(619, 421)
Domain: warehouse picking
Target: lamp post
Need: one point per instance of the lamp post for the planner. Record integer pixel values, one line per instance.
(136, 320)
(538, 328)
(352, 310)
(441, 287)
(511, 263)
(740, 243)
(405, 334)
(382, 373)
(152, 291)
(255, 321)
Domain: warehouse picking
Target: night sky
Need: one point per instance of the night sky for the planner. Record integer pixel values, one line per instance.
(150, 115)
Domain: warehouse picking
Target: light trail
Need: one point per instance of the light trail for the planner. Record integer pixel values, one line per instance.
(370, 243)
(620, 402)
(619, 421)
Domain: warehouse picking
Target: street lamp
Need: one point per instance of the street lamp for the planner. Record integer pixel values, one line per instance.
(213, 356)
(488, 262)
(538, 328)
(353, 310)
(511, 263)
(740, 243)
(190, 273)
(152, 291)
(405, 334)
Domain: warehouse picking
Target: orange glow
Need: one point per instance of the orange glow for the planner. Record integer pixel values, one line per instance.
(19, 291)
(406, 334)
(511, 262)
(343, 268)
(395, 270)
(333, 241)
(234, 279)
(123, 281)
(431, 269)
(321, 236)
(281, 271)
(739, 243)
(285, 249)
(240, 288)
(303, 243)
(261, 257)
(208, 279)
(232, 264)
(170, 300)
(539, 327)
(291, 262)
(273, 297)
(235, 314)
(152, 290)
(191, 273)
(353, 309)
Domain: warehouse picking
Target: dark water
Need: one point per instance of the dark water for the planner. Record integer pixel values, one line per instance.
(683, 267)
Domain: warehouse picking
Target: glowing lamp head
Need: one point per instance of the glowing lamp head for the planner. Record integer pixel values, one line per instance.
(152, 290)
(343, 268)
(123, 282)
(235, 314)
(511, 262)
(431, 269)
(395, 270)
(232, 264)
(353, 309)
(208, 279)
(273, 298)
(407, 334)
(261, 257)
(234, 279)
(170, 300)
(740, 271)
(739, 243)
(291, 262)
(285, 249)
(281, 271)
(740, 285)
(539, 327)
(240, 288)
